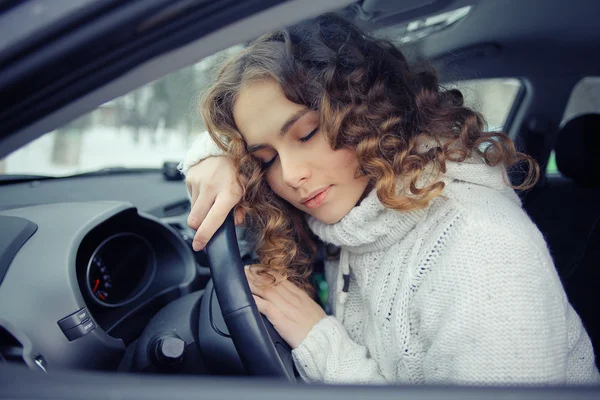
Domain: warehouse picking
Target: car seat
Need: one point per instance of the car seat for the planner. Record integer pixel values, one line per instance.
(566, 209)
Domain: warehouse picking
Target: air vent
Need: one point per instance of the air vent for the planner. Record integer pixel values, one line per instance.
(171, 210)
(11, 350)
(176, 209)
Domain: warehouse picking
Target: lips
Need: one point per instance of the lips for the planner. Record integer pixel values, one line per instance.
(316, 198)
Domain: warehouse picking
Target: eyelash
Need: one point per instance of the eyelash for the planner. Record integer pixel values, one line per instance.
(304, 139)
(311, 134)
(267, 164)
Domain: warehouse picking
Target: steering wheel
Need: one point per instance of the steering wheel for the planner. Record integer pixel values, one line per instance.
(261, 349)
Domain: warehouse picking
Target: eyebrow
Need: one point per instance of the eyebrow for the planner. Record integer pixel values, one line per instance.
(284, 128)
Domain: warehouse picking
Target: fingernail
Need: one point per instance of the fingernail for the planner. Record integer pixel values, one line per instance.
(197, 246)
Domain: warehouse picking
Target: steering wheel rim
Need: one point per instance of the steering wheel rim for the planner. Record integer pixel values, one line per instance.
(259, 346)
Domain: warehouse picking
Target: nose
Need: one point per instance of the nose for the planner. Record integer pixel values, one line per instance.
(294, 171)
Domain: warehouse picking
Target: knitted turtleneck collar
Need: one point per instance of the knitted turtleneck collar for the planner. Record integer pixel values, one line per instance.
(371, 226)
(368, 226)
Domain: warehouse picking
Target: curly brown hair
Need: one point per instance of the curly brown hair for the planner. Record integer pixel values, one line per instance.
(369, 99)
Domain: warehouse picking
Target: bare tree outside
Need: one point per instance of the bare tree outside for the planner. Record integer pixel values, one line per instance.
(144, 128)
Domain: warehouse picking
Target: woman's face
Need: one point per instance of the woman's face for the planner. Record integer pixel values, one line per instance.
(301, 166)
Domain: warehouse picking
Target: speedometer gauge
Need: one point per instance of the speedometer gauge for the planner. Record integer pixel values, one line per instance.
(100, 279)
(120, 269)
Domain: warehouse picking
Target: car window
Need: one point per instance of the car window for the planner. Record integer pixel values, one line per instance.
(142, 129)
(584, 99)
(158, 122)
(493, 98)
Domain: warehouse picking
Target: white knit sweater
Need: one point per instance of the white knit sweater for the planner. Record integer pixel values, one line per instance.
(463, 292)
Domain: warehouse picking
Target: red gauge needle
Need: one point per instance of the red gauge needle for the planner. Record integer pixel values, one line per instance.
(96, 285)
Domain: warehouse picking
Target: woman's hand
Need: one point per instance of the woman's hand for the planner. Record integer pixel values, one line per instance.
(290, 309)
(213, 186)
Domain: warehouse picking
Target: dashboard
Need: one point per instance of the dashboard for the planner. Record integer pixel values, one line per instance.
(128, 267)
(82, 274)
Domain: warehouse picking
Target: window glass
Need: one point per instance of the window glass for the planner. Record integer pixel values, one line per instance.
(144, 128)
(494, 98)
(584, 99)
(158, 122)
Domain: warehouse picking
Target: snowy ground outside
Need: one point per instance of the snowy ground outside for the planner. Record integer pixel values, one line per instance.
(100, 147)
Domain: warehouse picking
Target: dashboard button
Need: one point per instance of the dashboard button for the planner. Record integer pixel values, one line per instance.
(74, 319)
(80, 330)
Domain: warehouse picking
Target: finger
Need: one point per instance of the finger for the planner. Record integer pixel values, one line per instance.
(200, 209)
(259, 278)
(258, 283)
(191, 190)
(284, 286)
(263, 307)
(239, 215)
(292, 291)
(213, 220)
(268, 309)
(278, 296)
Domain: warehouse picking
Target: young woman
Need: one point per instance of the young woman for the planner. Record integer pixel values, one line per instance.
(441, 278)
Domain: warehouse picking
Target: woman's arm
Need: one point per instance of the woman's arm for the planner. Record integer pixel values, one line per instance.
(323, 351)
(329, 355)
(202, 148)
(212, 186)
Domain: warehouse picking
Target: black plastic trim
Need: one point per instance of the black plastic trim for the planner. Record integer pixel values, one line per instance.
(104, 49)
(516, 106)
(80, 330)
(52, 31)
(6, 5)
(74, 319)
(215, 316)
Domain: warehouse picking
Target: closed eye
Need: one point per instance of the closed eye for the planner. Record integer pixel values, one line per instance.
(267, 164)
(311, 134)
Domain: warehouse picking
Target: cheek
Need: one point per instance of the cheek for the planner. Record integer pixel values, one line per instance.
(343, 161)
(349, 157)
(275, 182)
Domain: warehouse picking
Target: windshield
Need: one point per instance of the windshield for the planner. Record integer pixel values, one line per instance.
(159, 121)
(142, 129)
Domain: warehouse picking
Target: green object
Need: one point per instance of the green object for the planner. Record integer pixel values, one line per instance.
(322, 288)
(552, 168)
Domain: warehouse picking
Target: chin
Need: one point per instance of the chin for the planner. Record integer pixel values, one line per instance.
(329, 218)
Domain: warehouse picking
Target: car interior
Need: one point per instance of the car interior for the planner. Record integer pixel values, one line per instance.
(99, 286)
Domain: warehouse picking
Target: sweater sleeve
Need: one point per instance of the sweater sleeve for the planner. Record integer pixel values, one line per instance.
(328, 354)
(202, 148)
